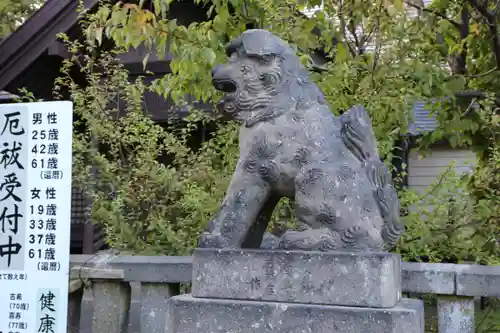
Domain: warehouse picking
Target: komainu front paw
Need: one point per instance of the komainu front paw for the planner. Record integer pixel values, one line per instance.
(211, 240)
(310, 240)
(270, 242)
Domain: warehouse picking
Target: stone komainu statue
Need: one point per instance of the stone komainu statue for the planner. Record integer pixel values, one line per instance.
(291, 145)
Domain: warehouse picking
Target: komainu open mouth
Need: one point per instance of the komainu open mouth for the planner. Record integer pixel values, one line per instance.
(225, 85)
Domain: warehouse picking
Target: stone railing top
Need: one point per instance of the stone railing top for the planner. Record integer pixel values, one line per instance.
(444, 279)
(159, 269)
(451, 279)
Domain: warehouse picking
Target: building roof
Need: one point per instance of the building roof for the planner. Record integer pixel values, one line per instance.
(22, 47)
(424, 120)
(6, 95)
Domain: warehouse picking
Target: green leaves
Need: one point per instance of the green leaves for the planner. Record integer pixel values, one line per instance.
(209, 56)
(14, 12)
(375, 55)
(455, 84)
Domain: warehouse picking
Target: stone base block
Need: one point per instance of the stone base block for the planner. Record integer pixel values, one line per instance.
(202, 315)
(332, 278)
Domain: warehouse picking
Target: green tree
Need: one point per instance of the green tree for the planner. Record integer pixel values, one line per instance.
(375, 54)
(468, 38)
(14, 12)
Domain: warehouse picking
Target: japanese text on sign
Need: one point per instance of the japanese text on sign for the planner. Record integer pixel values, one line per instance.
(35, 213)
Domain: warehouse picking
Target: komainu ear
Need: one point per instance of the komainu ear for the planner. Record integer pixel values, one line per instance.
(268, 79)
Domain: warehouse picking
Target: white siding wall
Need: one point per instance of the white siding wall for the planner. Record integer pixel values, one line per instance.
(423, 171)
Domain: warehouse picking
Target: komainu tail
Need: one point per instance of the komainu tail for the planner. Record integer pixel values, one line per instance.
(357, 134)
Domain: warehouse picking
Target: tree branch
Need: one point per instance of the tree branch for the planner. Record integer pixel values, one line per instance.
(352, 29)
(489, 15)
(475, 94)
(488, 72)
(434, 12)
(464, 33)
(344, 29)
(497, 8)
(378, 45)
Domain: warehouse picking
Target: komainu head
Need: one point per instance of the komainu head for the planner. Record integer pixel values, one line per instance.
(263, 78)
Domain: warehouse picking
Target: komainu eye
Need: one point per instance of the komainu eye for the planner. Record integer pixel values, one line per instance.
(245, 68)
(265, 60)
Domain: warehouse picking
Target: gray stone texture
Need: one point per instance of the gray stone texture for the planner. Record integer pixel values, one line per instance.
(292, 145)
(429, 278)
(334, 278)
(74, 310)
(202, 315)
(114, 300)
(456, 315)
(475, 280)
(154, 306)
(161, 269)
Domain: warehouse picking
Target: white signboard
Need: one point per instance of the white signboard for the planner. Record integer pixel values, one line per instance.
(35, 214)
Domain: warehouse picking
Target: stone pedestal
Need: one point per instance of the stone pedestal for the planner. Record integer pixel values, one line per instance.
(257, 291)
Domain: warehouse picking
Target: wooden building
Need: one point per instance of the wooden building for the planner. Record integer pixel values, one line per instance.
(31, 58)
(423, 170)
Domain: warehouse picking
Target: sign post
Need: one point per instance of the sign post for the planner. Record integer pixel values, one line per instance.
(35, 215)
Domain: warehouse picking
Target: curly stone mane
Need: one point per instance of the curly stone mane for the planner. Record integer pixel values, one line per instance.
(275, 81)
(259, 92)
